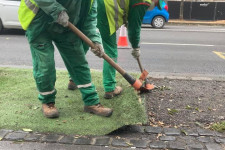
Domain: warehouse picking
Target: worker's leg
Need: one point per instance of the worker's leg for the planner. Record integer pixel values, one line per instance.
(44, 72)
(71, 84)
(110, 48)
(71, 50)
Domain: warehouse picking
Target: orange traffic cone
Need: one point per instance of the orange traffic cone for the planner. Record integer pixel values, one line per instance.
(122, 42)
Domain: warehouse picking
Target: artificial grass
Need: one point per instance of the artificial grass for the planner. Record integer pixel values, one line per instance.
(220, 126)
(20, 108)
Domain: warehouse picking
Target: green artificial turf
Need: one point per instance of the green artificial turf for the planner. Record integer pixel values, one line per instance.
(220, 126)
(20, 108)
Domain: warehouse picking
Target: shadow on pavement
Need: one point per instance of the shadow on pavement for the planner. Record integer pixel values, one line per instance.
(12, 32)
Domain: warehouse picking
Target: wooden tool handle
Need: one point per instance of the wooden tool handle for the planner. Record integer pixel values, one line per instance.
(92, 45)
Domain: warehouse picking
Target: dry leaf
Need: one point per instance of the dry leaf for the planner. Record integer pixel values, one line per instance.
(27, 130)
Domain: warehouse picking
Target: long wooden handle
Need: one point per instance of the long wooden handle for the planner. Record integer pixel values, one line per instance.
(92, 45)
(139, 63)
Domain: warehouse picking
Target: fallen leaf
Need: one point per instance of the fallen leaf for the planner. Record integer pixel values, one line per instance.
(183, 131)
(0, 138)
(172, 111)
(160, 134)
(130, 144)
(188, 107)
(35, 107)
(27, 130)
(77, 136)
(197, 109)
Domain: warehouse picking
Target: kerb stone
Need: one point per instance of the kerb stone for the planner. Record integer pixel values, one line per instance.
(102, 141)
(154, 130)
(15, 136)
(83, 141)
(51, 138)
(67, 140)
(157, 145)
(139, 143)
(171, 131)
(213, 146)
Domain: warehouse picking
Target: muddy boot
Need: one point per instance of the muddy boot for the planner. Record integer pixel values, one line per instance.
(117, 91)
(50, 111)
(98, 110)
(71, 85)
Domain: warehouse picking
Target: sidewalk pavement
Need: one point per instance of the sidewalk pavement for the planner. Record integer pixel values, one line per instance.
(196, 22)
(155, 138)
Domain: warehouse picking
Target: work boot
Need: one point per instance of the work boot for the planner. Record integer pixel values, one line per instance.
(71, 85)
(50, 111)
(98, 109)
(117, 91)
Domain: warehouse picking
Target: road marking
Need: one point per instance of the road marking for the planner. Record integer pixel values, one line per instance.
(187, 30)
(220, 54)
(176, 44)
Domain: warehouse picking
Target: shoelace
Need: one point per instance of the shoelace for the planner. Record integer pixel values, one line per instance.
(99, 105)
(51, 105)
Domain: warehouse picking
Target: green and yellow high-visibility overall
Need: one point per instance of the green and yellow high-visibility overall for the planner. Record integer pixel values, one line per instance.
(112, 14)
(38, 18)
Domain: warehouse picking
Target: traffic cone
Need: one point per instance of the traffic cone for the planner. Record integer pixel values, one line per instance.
(122, 42)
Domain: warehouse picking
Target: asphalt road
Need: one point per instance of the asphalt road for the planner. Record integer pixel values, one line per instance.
(172, 50)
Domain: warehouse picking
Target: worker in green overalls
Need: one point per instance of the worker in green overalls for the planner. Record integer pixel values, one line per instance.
(112, 14)
(46, 21)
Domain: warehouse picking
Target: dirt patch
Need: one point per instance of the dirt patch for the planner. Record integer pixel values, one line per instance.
(186, 103)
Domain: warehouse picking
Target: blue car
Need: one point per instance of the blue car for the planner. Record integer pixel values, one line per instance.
(156, 17)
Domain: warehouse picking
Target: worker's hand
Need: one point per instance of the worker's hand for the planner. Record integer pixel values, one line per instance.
(98, 50)
(136, 52)
(63, 19)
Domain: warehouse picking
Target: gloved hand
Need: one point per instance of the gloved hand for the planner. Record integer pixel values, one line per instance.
(98, 50)
(63, 19)
(136, 52)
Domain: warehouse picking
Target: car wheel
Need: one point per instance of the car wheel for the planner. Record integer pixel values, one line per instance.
(158, 22)
(1, 26)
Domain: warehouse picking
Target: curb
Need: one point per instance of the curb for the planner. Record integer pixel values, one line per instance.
(157, 138)
(196, 22)
(156, 75)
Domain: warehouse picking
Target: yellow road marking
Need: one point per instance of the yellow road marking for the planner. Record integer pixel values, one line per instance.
(220, 54)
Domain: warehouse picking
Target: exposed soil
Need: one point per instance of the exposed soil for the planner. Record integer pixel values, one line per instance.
(186, 103)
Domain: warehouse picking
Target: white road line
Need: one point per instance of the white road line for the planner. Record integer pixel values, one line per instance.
(187, 30)
(177, 44)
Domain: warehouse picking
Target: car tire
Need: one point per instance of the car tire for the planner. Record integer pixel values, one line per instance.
(158, 22)
(1, 26)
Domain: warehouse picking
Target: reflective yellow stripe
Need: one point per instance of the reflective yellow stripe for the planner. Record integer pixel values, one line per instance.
(123, 7)
(116, 17)
(31, 6)
(84, 85)
(47, 93)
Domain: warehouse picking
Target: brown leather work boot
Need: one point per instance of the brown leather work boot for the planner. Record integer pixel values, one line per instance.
(117, 91)
(50, 111)
(71, 85)
(98, 110)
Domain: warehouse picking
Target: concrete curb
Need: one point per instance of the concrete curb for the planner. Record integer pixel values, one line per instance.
(196, 22)
(157, 138)
(157, 75)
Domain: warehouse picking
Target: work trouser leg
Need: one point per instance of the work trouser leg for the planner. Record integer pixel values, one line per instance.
(109, 73)
(73, 55)
(110, 48)
(86, 48)
(44, 71)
